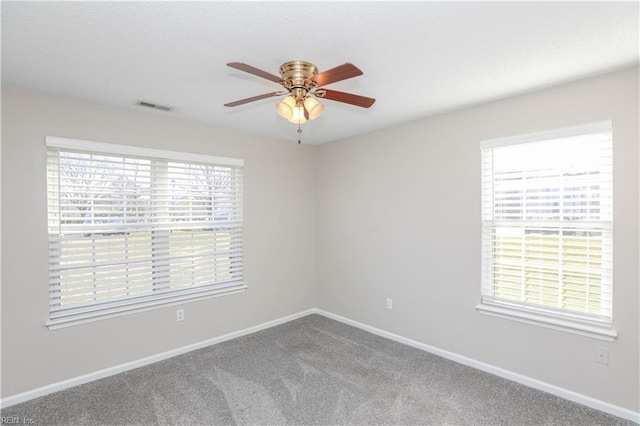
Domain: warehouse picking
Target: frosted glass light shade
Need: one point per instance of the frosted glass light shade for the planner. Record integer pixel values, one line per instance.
(285, 108)
(314, 108)
(298, 115)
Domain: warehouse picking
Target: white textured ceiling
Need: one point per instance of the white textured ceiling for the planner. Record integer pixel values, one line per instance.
(418, 58)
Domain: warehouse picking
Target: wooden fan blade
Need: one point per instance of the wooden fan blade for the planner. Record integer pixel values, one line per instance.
(255, 71)
(255, 98)
(347, 98)
(339, 73)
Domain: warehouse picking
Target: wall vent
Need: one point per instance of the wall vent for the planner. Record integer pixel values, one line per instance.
(154, 106)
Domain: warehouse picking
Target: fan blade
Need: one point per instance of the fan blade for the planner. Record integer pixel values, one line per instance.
(347, 98)
(255, 98)
(255, 71)
(339, 73)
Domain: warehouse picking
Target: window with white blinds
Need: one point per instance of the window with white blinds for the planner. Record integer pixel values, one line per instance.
(132, 229)
(547, 224)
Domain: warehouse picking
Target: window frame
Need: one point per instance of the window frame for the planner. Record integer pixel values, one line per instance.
(553, 318)
(84, 313)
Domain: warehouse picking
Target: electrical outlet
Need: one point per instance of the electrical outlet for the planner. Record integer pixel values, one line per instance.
(389, 304)
(180, 315)
(602, 355)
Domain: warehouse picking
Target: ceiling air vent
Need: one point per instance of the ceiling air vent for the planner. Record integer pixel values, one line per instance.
(154, 106)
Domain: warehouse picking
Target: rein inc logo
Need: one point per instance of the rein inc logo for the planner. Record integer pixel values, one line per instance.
(16, 420)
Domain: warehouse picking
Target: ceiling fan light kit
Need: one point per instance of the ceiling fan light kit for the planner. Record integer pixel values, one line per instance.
(295, 113)
(302, 84)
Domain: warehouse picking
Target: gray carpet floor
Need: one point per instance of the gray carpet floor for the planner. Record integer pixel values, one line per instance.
(311, 371)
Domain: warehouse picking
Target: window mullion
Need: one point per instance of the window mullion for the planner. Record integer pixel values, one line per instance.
(561, 259)
(160, 220)
(523, 264)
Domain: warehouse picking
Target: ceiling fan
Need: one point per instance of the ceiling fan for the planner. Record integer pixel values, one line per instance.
(303, 83)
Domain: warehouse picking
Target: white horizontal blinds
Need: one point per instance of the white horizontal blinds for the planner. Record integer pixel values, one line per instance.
(128, 230)
(200, 225)
(100, 250)
(547, 222)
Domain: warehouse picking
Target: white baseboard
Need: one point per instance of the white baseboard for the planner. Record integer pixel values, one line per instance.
(528, 381)
(510, 375)
(66, 384)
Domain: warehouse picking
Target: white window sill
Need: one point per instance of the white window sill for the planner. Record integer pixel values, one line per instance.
(129, 308)
(541, 319)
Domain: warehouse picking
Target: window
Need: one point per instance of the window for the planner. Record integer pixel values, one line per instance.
(133, 229)
(547, 219)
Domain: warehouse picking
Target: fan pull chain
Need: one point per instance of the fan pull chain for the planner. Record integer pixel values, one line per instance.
(299, 132)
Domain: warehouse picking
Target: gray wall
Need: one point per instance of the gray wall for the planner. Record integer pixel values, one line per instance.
(279, 245)
(398, 216)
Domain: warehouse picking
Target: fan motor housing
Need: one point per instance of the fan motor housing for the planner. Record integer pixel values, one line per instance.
(294, 73)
